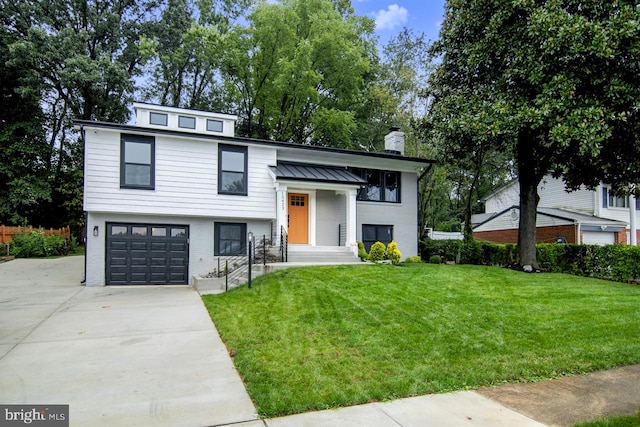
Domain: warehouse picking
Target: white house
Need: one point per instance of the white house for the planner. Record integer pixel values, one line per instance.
(582, 216)
(167, 196)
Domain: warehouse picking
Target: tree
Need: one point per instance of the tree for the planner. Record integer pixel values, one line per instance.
(81, 58)
(299, 70)
(23, 148)
(553, 84)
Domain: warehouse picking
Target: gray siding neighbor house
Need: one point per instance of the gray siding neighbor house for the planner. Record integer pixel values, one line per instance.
(167, 196)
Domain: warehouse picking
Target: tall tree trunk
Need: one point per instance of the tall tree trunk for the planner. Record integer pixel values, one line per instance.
(529, 176)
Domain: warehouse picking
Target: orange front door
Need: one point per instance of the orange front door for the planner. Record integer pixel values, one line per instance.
(298, 218)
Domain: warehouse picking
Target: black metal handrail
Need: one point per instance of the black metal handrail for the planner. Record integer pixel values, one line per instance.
(284, 244)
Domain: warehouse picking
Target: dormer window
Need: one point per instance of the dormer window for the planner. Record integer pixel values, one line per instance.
(214, 125)
(159, 119)
(187, 122)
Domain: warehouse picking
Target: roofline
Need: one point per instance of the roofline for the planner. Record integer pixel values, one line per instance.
(254, 141)
(575, 221)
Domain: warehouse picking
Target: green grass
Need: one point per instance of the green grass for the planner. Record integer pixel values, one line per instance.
(322, 337)
(621, 421)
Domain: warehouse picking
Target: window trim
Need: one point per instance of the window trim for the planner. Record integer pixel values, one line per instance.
(367, 246)
(608, 198)
(216, 121)
(362, 172)
(139, 139)
(180, 117)
(216, 238)
(235, 149)
(153, 114)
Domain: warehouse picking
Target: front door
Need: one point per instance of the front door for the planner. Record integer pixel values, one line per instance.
(298, 218)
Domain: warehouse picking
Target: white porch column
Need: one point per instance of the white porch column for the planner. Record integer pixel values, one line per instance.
(351, 219)
(632, 221)
(282, 211)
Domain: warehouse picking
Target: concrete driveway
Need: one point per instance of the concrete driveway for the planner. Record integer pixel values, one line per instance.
(144, 356)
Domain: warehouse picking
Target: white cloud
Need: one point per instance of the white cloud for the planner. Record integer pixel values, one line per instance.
(390, 18)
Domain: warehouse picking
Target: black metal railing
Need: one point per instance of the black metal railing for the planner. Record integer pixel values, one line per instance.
(284, 245)
(342, 234)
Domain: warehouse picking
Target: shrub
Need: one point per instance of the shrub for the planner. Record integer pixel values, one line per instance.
(414, 259)
(435, 259)
(38, 244)
(393, 253)
(376, 253)
(362, 253)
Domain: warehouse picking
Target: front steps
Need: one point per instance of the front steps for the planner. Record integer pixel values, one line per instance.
(321, 254)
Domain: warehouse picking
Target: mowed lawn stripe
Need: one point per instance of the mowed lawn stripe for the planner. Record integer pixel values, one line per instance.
(321, 337)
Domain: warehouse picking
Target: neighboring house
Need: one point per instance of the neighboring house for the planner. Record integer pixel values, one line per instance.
(582, 216)
(166, 197)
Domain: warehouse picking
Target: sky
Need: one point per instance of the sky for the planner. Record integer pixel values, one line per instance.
(391, 16)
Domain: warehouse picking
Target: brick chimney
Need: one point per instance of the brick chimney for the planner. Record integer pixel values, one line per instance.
(394, 142)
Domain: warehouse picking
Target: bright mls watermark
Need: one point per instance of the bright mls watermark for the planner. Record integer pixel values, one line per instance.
(34, 415)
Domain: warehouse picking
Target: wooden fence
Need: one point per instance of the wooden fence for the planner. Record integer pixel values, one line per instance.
(7, 232)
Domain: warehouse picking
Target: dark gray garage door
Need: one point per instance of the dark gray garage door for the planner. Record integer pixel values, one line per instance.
(147, 254)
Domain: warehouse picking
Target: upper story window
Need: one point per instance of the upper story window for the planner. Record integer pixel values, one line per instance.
(137, 161)
(232, 169)
(609, 200)
(214, 125)
(381, 186)
(187, 122)
(159, 119)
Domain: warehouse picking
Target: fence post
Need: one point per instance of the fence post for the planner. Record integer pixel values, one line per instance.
(264, 249)
(226, 275)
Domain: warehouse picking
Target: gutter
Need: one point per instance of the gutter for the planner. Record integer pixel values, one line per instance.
(86, 216)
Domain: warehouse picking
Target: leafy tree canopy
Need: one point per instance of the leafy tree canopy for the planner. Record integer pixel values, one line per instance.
(552, 83)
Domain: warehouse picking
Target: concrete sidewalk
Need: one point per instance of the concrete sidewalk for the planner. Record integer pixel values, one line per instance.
(119, 356)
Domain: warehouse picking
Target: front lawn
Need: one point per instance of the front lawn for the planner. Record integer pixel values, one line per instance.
(321, 337)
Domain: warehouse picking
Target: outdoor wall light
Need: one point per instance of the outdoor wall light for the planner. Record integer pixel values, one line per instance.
(95, 231)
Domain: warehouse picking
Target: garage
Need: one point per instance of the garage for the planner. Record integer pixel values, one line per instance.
(598, 238)
(147, 254)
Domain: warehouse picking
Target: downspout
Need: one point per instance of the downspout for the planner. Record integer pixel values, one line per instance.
(86, 216)
(420, 178)
(578, 230)
(632, 220)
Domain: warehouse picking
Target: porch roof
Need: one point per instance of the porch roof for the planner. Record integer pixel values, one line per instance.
(317, 173)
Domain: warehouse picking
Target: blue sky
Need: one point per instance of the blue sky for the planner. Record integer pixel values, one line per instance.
(392, 16)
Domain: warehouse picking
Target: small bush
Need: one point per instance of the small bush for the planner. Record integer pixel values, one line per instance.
(38, 244)
(393, 253)
(377, 251)
(415, 259)
(362, 253)
(435, 259)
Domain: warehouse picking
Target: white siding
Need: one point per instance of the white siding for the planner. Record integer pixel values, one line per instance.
(403, 216)
(505, 198)
(552, 195)
(186, 174)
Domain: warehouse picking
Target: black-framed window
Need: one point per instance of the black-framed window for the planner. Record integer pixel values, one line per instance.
(381, 186)
(214, 125)
(186, 122)
(372, 233)
(159, 119)
(232, 169)
(230, 238)
(137, 161)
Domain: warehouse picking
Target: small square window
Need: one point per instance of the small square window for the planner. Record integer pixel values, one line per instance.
(187, 122)
(230, 238)
(138, 231)
(118, 230)
(214, 125)
(159, 119)
(158, 231)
